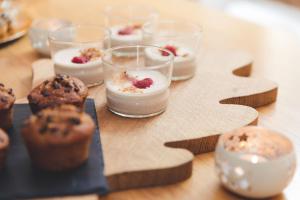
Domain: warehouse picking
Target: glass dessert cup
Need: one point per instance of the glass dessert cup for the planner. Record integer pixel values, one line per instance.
(181, 38)
(77, 50)
(135, 89)
(39, 30)
(125, 24)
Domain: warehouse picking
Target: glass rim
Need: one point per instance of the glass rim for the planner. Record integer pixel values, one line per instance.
(156, 66)
(110, 8)
(41, 20)
(52, 38)
(197, 32)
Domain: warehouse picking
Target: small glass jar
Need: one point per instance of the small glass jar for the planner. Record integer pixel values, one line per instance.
(133, 88)
(77, 51)
(39, 31)
(182, 38)
(125, 23)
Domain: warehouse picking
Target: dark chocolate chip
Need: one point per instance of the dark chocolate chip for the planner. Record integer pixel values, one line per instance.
(43, 129)
(67, 84)
(59, 78)
(10, 91)
(1, 84)
(74, 120)
(4, 99)
(76, 89)
(66, 132)
(56, 85)
(53, 129)
(45, 93)
(67, 90)
(48, 119)
(46, 82)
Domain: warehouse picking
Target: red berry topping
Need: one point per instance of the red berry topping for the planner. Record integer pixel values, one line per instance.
(142, 84)
(128, 30)
(170, 48)
(80, 59)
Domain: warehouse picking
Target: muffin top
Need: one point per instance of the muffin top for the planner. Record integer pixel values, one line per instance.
(4, 141)
(60, 124)
(258, 141)
(61, 89)
(7, 97)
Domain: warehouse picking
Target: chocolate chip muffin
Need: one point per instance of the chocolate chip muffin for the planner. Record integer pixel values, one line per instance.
(62, 89)
(58, 138)
(4, 143)
(7, 99)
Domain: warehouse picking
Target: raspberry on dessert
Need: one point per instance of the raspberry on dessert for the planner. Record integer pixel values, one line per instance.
(170, 48)
(142, 84)
(79, 60)
(128, 30)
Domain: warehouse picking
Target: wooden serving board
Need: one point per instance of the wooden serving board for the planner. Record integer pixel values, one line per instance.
(159, 150)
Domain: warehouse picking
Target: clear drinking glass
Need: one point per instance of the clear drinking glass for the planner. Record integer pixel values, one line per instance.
(133, 88)
(77, 50)
(125, 23)
(182, 38)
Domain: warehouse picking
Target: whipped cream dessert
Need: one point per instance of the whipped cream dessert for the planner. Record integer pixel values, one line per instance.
(126, 35)
(85, 64)
(184, 65)
(255, 162)
(137, 93)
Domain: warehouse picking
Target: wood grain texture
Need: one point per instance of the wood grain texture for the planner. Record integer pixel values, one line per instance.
(276, 56)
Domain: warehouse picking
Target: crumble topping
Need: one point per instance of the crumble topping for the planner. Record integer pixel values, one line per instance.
(131, 84)
(87, 55)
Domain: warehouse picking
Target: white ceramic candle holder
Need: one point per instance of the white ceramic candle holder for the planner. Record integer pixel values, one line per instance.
(255, 162)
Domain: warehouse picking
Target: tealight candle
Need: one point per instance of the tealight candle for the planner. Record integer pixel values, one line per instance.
(77, 51)
(134, 89)
(39, 30)
(255, 162)
(181, 38)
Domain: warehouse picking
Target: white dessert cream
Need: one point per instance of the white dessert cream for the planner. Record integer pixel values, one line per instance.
(85, 64)
(126, 35)
(255, 162)
(184, 66)
(137, 93)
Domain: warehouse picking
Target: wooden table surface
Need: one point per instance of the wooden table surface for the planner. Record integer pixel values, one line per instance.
(276, 54)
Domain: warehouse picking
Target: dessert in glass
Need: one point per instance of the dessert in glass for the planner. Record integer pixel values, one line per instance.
(125, 24)
(181, 38)
(133, 88)
(255, 162)
(77, 50)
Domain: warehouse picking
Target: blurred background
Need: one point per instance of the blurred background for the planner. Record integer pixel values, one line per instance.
(281, 14)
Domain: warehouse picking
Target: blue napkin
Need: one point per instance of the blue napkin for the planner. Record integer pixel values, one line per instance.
(20, 179)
